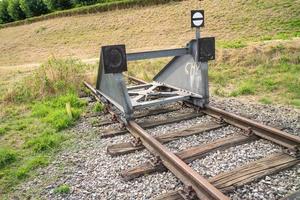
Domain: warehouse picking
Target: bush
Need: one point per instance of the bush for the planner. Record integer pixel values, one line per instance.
(4, 16)
(33, 7)
(15, 11)
(58, 4)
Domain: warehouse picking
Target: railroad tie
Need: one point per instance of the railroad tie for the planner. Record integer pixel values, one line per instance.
(228, 181)
(188, 155)
(153, 123)
(129, 147)
(150, 112)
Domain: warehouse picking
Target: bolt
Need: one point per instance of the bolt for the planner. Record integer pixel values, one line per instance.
(136, 142)
(189, 193)
(155, 161)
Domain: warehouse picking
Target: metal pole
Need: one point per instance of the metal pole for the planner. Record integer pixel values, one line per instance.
(197, 33)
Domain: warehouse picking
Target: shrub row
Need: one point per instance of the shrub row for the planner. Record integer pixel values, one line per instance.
(81, 7)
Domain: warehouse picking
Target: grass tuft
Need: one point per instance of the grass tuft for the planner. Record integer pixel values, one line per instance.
(31, 164)
(62, 189)
(53, 110)
(7, 156)
(98, 107)
(246, 88)
(265, 100)
(3, 130)
(49, 140)
(55, 77)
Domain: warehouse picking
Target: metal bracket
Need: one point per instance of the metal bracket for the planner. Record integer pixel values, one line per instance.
(293, 152)
(155, 161)
(188, 193)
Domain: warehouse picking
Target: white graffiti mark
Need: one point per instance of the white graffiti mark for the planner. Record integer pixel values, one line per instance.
(194, 73)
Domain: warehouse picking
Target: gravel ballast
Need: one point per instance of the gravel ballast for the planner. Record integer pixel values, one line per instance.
(92, 174)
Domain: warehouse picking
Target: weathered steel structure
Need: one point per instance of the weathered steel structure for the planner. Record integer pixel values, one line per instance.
(185, 77)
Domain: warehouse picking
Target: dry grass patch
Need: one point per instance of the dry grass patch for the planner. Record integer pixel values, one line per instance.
(234, 24)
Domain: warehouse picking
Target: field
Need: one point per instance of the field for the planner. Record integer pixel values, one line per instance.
(234, 24)
(258, 59)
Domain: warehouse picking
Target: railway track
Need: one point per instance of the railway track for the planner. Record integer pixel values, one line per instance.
(196, 186)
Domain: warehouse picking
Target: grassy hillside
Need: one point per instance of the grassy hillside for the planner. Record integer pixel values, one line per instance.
(235, 24)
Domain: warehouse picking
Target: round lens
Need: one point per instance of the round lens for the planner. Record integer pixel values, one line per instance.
(116, 58)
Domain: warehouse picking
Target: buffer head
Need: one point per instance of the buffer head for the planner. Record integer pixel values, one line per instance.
(206, 49)
(114, 59)
(197, 18)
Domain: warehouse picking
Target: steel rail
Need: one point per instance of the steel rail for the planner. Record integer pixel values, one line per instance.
(180, 169)
(279, 137)
(203, 189)
(134, 79)
(101, 99)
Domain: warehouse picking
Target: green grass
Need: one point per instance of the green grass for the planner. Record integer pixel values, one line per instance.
(62, 189)
(7, 156)
(53, 110)
(296, 102)
(30, 164)
(245, 88)
(35, 118)
(98, 107)
(48, 140)
(265, 100)
(273, 72)
(3, 130)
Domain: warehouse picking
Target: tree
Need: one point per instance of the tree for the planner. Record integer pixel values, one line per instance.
(15, 11)
(58, 4)
(85, 2)
(4, 16)
(33, 8)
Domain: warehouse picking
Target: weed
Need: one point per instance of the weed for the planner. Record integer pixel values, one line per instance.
(62, 189)
(246, 88)
(46, 141)
(98, 107)
(53, 78)
(265, 100)
(30, 164)
(53, 110)
(3, 130)
(269, 84)
(59, 119)
(7, 156)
